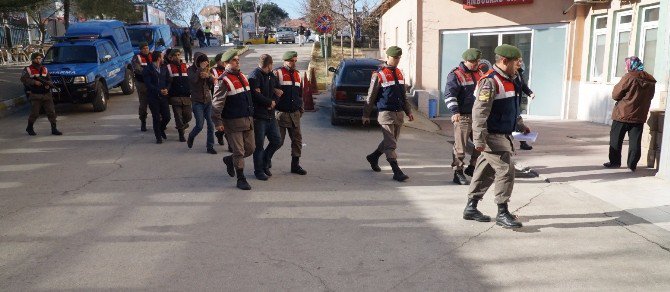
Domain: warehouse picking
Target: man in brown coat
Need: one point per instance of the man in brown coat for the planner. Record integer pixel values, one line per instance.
(633, 95)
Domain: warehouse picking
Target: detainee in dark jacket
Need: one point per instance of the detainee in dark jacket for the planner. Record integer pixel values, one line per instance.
(155, 77)
(265, 89)
(633, 95)
(200, 82)
(521, 83)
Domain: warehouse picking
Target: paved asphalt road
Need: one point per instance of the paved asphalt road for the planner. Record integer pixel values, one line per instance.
(104, 207)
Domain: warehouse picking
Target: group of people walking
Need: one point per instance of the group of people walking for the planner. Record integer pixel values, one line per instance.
(244, 110)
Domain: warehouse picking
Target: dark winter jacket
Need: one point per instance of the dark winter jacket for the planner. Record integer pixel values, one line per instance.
(633, 95)
(200, 87)
(266, 83)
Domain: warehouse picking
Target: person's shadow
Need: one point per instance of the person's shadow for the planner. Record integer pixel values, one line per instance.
(616, 218)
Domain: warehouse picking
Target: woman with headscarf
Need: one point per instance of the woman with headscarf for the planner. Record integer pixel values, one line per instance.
(633, 95)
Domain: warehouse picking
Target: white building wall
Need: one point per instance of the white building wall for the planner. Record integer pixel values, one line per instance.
(395, 32)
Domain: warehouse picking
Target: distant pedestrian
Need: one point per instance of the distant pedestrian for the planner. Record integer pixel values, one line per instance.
(156, 77)
(266, 34)
(495, 116)
(521, 83)
(201, 37)
(179, 92)
(200, 82)
(633, 95)
(301, 35)
(308, 33)
(388, 93)
(187, 45)
(208, 35)
(37, 80)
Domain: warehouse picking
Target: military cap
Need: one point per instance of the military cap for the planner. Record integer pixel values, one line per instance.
(289, 55)
(472, 54)
(228, 55)
(35, 55)
(143, 44)
(394, 51)
(174, 52)
(508, 51)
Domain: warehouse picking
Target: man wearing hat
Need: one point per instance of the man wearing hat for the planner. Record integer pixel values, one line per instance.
(495, 115)
(38, 85)
(179, 92)
(387, 92)
(217, 72)
(237, 113)
(290, 108)
(140, 62)
(459, 97)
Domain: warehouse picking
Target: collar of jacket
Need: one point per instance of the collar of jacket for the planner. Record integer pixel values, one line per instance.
(465, 68)
(502, 73)
(289, 69)
(386, 65)
(233, 72)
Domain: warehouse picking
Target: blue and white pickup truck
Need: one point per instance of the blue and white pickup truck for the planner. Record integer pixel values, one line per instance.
(89, 60)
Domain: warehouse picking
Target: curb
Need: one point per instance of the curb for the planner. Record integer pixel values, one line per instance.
(10, 106)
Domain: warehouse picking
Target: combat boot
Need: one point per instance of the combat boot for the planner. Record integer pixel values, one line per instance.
(260, 175)
(181, 136)
(397, 172)
(189, 142)
(228, 160)
(373, 159)
(505, 219)
(143, 125)
(471, 212)
(295, 166)
(30, 130)
(459, 177)
(219, 137)
(470, 170)
(54, 130)
(242, 183)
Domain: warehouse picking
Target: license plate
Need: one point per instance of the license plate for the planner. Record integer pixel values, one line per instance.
(360, 97)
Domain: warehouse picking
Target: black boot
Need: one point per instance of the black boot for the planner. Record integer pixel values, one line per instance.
(459, 177)
(189, 142)
(242, 183)
(397, 172)
(163, 134)
(54, 130)
(228, 160)
(266, 168)
(471, 212)
(30, 130)
(505, 219)
(260, 174)
(525, 146)
(470, 170)
(219, 137)
(373, 158)
(295, 166)
(181, 136)
(143, 124)
(211, 151)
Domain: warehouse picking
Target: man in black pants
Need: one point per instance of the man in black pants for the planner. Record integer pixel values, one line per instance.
(187, 44)
(156, 77)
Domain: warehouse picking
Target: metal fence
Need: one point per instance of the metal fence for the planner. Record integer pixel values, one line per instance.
(19, 36)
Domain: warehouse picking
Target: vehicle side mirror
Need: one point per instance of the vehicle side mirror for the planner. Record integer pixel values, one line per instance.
(332, 69)
(106, 58)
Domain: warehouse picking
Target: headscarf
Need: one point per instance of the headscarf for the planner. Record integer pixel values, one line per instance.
(634, 63)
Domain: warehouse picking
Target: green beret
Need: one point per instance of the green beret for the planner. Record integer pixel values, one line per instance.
(508, 51)
(174, 52)
(35, 55)
(394, 51)
(143, 44)
(472, 54)
(228, 55)
(289, 55)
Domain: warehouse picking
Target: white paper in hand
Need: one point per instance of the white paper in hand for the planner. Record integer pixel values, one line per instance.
(530, 137)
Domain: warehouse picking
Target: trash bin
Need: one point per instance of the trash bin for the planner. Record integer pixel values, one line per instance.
(432, 108)
(326, 45)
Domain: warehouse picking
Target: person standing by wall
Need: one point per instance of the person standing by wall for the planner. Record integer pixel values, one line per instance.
(521, 83)
(633, 95)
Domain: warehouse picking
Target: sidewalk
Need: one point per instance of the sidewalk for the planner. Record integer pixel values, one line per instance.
(572, 152)
(12, 96)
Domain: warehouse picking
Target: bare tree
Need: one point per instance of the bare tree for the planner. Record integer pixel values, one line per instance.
(37, 13)
(345, 10)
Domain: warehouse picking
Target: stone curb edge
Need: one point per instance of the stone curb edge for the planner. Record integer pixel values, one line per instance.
(9, 106)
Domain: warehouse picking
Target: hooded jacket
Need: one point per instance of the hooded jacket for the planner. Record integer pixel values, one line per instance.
(200, 87)
(633, 95)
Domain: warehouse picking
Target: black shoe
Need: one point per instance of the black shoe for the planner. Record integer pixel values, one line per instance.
(505, 219)
(397, 172)
(143, 125)
(219, 137)
(471, 212)
(181, 136)
(295, 166)
(260, 175)
(230, 149)
(163, 134)
(30, 130)
(54, 130)
(523, 145)
(632, 168)
(459, 178)
(189, 142)
(470, 170)
(373, 159)
(159, 141)
(242, 184)
(211, 151)
(228, 160)
(611, 165)
(267, 172)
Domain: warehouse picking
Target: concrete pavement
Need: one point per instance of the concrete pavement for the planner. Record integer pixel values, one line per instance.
(103, 207)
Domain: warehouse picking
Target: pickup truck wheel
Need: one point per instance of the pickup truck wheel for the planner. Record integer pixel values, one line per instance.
(128, 84)
(100, 99)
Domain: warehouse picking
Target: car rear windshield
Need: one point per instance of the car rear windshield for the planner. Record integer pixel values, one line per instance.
(138, 36)
(357, 75)
(71, 54)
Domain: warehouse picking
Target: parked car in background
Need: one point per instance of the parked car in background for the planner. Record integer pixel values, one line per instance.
(158, 36)
(285, 35)
(260, 40)
(214, 41)
(349, 88)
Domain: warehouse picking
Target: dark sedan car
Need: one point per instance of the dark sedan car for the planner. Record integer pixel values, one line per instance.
(350, 88)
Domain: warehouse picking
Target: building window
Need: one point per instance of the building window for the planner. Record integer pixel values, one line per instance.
(598, 48)
(487, 42)
(622, 35)
(648, 37)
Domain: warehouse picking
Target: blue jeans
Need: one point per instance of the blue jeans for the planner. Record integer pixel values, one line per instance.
(265, 128)
(203, 112)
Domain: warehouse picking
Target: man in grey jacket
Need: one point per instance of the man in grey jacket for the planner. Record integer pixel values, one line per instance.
(200, 81)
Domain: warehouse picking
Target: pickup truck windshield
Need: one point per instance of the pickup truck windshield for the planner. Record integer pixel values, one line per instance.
(141, 35)
(71, 54)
